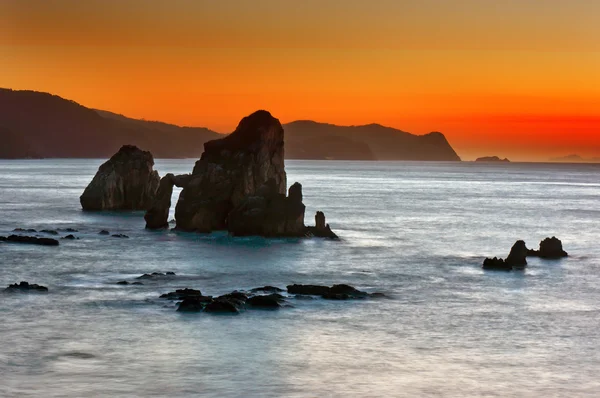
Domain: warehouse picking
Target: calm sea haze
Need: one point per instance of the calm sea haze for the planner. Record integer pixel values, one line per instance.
(416, 231)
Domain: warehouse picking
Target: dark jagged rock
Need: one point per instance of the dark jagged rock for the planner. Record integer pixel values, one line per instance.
(335, 292)
(191, 304)
(29, 240)
(221, 306)
(268, 289)
(122, 283)
(518, 255)
(156, 275)
(157, 216)
(231, 169)
(321, 229)
(70, 237)
(67, 230)
(28, 230)
(310, 290)
(550, 248)
(120, 236)
(180, 294)
(104, 232)
(127, 181)
(170, 273)
(269, 213)
(138, 283)
(269, 302)
(496, 264)
(26, 287)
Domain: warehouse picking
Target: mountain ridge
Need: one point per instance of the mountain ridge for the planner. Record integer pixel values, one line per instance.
(38, 124)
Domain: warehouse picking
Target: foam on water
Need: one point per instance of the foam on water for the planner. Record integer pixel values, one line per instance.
(416, 231)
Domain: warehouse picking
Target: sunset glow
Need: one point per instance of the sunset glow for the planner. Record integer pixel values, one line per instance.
(518, 78)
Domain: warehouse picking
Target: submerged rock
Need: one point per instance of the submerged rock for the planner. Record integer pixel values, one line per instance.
(70, 237)
(49, 232)
(120, 236)
(550, 248)
(180, 294)
(122, 283)
(268, 289)
(26, 287)
(221, 306)
(127, 181)
(335, 292)
(28, 230)
(104, 232)
(29, 240)
(271, 301)
(191, 304)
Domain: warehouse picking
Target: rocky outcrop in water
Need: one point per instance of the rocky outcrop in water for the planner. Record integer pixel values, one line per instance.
(158, 215)
(239, 185)
(26, 287)
(32, 240)
(517, 259)
(550, 248)
(127, 181)
(518, 255)
(321, 228)
(231, 169)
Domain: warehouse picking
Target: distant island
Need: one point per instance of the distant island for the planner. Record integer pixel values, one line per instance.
(575, 159)
(41, 125)
(492, 159)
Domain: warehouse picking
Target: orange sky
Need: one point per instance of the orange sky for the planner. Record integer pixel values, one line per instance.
(516, 78)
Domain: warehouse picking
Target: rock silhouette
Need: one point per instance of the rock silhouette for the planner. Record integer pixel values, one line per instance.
(231, 169)
(492, 159)
(550, 248)
(158, 215)
(127, 181)
(33, 240)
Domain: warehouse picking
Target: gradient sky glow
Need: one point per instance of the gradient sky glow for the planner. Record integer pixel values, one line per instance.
(516, 78)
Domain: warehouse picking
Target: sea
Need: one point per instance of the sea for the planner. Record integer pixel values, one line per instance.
(417, 232)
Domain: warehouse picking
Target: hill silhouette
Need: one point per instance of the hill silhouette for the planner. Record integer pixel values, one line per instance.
(35, 124)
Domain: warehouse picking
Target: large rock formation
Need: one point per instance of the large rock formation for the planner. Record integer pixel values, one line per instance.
(126, 181)
(518, 255)
(230, 170)
(157, 217)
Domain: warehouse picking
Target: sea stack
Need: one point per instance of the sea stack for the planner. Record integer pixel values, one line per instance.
(239, 185)
(231, 169)
(127, 181)
(550, 248)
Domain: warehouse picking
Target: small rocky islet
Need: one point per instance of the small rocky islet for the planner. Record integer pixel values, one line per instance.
(550, 249)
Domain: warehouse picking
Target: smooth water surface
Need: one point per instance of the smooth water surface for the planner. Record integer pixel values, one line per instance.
(417, 232)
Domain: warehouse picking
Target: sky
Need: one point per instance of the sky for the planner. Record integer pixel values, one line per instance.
(513, 78)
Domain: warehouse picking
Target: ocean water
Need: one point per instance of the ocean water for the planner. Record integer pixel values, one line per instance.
(417, 232)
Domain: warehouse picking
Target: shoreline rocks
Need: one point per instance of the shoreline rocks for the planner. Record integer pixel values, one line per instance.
(127, 181)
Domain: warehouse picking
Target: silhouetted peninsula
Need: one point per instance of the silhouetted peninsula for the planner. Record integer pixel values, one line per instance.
(492, 159)
(35, 124)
